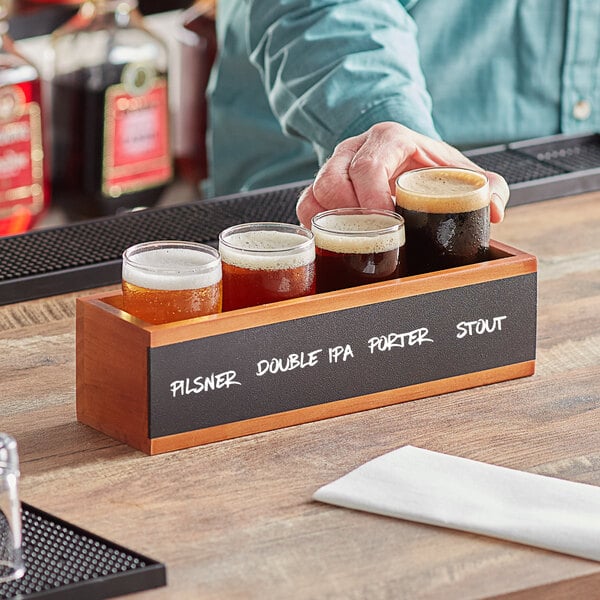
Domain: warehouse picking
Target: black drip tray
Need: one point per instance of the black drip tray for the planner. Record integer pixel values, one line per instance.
(575, 154)
(88, 254)
(64, 562)
(545, 168)
(515, 167)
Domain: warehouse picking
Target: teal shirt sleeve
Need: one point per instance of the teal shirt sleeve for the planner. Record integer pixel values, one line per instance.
(333, 69)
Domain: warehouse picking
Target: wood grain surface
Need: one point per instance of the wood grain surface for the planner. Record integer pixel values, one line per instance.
(235, 519)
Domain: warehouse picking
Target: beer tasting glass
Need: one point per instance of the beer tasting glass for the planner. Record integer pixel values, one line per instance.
(446, 213)
(266, 262)
(11, 556)
(356, 246)
(165, 281)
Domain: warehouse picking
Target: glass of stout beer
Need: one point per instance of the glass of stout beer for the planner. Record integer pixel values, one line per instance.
(266, 262)
(446, 213)
(167, 281)
(356, 246)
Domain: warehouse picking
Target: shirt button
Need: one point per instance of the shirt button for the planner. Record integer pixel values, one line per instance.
(582, 110)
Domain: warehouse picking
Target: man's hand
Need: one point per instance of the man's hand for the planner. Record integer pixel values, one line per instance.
(362, 171)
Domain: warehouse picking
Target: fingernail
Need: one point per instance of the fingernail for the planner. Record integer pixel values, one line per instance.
(497, 202)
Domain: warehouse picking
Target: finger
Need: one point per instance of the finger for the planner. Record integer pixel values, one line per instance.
(440, 153)
(389, 150)
(332, 187)
(500, 193)
(372, 170)
(307, 207)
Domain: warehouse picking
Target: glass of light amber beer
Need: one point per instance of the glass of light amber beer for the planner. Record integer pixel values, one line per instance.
(356, 246)
(266, 262)
(446, 213)
(167, 281)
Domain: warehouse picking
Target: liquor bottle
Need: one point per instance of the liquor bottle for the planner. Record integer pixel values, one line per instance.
(110, 115)
(197, 40)
(24, 188)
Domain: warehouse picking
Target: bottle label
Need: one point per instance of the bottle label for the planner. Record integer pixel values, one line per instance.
(137, 151)
(21, 155)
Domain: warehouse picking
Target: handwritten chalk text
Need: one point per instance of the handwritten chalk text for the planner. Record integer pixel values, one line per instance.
(289, 363)
(214, 381)
(479, 327)
(399, 340)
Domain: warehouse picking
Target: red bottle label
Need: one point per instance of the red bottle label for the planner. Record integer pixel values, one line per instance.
(21, 159)
(136, 133)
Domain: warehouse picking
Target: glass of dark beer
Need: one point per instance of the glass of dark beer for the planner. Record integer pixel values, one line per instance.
(266, 262)
(446, 213)
(357, 246)
(167, 281)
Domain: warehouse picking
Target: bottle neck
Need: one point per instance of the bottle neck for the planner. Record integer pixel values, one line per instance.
(7, 46)
(6, 9)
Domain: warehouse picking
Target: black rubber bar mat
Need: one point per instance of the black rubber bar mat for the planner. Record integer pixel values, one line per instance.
(64, 562)
(88, 254)
(545, 168)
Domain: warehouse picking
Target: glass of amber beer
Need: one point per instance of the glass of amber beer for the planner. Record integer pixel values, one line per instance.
(167, 281)
(266, 262)
(446, 213)
(356, 246)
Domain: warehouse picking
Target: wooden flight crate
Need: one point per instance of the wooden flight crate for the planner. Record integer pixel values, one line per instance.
(165, 387)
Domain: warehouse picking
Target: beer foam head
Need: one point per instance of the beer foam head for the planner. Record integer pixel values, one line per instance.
(345, 232)
(171, 268)
(442, 190)
(267, 249)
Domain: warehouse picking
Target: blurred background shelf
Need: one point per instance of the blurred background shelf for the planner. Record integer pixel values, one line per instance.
(32, 19)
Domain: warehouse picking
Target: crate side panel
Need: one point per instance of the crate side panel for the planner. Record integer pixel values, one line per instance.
(111, 374)
(344, 354)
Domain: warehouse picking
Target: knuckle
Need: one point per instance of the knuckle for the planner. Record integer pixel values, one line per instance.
(324, 181)
(363, 164)
(381, 127)
(391, 127)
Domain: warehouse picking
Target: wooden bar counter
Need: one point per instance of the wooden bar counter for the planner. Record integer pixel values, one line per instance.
(235, 519)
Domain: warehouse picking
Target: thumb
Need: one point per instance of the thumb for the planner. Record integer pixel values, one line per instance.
(500, 194)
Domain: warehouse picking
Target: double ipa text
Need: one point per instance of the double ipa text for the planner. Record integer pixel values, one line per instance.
(357, 246)
(446, 213)
(169, 281)
(266, 262)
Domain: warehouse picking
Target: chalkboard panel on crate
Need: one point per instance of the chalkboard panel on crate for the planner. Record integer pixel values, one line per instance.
(165, 387)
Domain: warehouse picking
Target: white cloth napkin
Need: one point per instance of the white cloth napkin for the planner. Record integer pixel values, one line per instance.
(439, 489)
